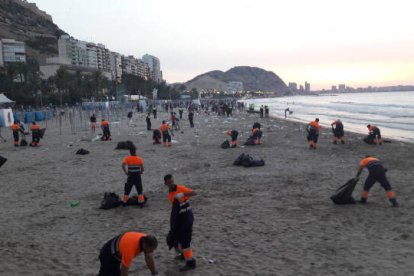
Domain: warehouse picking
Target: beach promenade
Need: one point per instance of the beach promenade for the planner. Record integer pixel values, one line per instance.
(271, 220)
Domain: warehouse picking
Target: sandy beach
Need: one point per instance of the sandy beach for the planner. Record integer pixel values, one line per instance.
(271, 220)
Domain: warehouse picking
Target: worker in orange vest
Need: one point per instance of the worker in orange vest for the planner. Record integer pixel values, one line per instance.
(133, 167)
(376, 174)
(375, 133)
(181, 221)
(165, 131)
(117, 254)
(233, 134)
(105, 129)
(313, 133)
(35, 128)
(15, 127)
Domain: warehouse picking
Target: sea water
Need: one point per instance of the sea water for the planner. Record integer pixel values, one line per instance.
(392, 112)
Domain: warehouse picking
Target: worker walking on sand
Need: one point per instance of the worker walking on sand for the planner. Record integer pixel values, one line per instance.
(117, 254)
(35, 129)
(105, 129)
(374, 134)
(233, 134)
(338, 131)
(181, 221)
(191, 118)
(313, 133)
(15, 127)
(133, 167)
(92, 120)
(148, 121)
(376, 174)
(165, 131)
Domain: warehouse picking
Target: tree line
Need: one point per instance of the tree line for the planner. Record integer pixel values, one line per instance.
(23, 83)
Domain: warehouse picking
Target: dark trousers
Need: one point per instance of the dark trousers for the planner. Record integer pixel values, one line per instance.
(166, 137)
(106, 133)
(16, 136)
(191, 122)
(133, 180)
(185, 228)
(234, 135)
(377, 173)
(313, 135)
(110, 265)
(35, 138)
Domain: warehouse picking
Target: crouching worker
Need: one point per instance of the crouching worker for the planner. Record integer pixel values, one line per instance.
(374, 135)
(338, 131)
(166, 136)
(233, 134)
(117, 254)
(181, 221)
(156, 137)
(105, 129)
(133, 167)
(313, 133)
(257, 135)
(376, 173)
(35, 128)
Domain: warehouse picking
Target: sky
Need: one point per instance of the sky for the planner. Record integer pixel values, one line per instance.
(324, 42)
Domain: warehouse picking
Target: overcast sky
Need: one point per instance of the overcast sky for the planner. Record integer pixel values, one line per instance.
(324, 42)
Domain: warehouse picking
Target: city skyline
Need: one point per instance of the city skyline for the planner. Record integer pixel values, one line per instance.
(320, 42)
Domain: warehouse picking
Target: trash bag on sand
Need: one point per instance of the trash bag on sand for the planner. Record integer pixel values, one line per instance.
(133, 201)
(343, 195)
(225, 144)
(82, 152)
(111, 200)
(23, 143)
(246, 160)
(42, 133)
(2, 160)
(127, 145)
(250, 141)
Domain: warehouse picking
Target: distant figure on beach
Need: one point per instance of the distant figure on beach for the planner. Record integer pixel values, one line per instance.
(376, 174)
(154, 112)
(148, 121)
(191, 118)
(117, 254)
(105, 129)
(313, 133)
(180, 111)
(174, 120)
(286, 111)
(130, 113)
(156, 137)
(15, 130)
(181, 221)
(261, 111)
(92, 120)
(338, 131)
(266, 110)
(133, 167)
(374, 135)
(166, 136)
(233, 134)
(35, 129)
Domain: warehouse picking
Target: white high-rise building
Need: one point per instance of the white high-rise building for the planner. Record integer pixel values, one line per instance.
(115, 61)
(154, 67)
(12, 51)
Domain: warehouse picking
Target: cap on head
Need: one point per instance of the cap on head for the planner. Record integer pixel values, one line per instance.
(163, 122)
(168, 177)
(317, 119)
(368, 126)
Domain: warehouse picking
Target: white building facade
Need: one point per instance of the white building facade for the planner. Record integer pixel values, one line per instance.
(12, 51)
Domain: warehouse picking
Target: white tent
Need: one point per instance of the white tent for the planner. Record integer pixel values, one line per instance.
(4, 99)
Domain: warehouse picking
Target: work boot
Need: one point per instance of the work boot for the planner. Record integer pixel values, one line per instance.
(394, 202)
(190, 264)
(363, 200)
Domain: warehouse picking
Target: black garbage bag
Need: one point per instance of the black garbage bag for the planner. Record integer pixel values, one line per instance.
(23, 143)
(172, 237)
(82, 152)
(42, 133)
(125, 145)
(369, 139)
(2, 160)
(250, 141)
(238, 160)
(111, 200)
(257, 125)
(246, 160)
(225, 144)
(343, 195)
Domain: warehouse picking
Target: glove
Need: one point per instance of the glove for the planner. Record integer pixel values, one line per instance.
(179, 195)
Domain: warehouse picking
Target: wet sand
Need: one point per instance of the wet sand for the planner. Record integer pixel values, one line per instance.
(271, 220)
